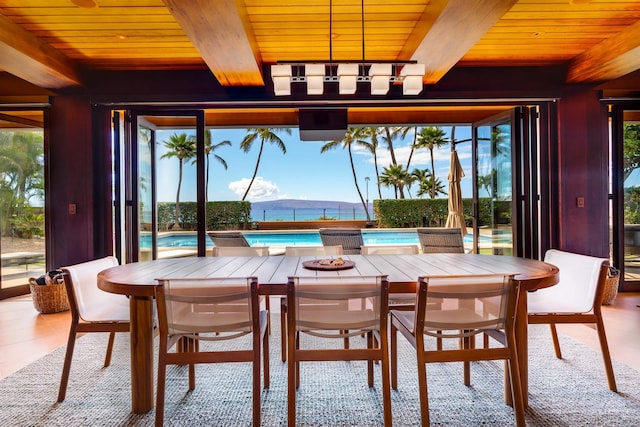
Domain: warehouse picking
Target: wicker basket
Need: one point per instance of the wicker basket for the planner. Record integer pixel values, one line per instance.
(49, 298)
(611, 286)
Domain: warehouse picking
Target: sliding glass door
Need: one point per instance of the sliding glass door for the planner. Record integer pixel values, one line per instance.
(625, 168)
(22, 213)
(163, 182)
(506, 191)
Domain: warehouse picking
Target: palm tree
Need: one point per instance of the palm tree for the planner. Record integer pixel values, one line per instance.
(402, 132)
(265, 135)
(421, 176)
(183, 147)
(432, 137)
(209, 148)
(372, 146)
(396, 176)
(388, 137)
(352, 136)
(428, 186)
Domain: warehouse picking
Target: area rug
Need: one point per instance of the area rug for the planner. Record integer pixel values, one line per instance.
(568, 392)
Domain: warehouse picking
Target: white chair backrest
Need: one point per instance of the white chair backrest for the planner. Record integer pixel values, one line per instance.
(92, 303)
(313, 250)
(240, 251)
(197, 307)
(389, 249)
(578, 279)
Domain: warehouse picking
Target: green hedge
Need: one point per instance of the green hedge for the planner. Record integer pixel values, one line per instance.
(234, 215)
(409, 213)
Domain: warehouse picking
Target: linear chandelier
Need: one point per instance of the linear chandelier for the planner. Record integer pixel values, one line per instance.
(347, 74)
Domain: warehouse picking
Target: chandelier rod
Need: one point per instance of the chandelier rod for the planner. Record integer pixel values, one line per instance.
(362, 13)
(330, 30)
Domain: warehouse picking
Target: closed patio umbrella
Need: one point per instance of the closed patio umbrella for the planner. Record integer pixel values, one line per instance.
(455, 219)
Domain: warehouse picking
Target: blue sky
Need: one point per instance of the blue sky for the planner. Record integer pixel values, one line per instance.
(303, 172)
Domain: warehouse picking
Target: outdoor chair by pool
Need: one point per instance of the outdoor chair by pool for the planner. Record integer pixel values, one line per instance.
(577, 298)
(228, 238)
(200, 312)
(240, 251)
(92, 310)
(316, 251)
(440, 240)
(323, 308)
(461, 317)
(349, 238)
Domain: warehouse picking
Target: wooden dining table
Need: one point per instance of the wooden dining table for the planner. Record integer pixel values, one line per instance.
(138, 281)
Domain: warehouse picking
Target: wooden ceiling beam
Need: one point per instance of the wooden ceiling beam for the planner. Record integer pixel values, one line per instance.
(458, 27)
(27, 57)
(220, 31)
(612, 58)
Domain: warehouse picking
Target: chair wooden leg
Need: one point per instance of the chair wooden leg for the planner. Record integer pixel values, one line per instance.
(467, 343)
(297, 376)
(422, 382)
(439, 340)
(255, 392)
(514, 379)
(386, 389)
(66, 368)
(370, 362)
(393, 369)
(265, 360)
(556, 341)
(283, 328)
(107, 357)
(160, 389)
(191, 347)
(604, 348)
(292, 381)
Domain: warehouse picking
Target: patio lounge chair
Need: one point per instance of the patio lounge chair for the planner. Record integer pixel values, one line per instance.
(349, 238)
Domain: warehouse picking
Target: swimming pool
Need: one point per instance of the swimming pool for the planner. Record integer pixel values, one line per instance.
(293, 238)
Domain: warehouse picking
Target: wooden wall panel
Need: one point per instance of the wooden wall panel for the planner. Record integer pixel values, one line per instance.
(583, 160)
(70, 181)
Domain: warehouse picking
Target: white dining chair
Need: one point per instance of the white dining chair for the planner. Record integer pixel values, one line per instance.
(92, 310)
(577, 298)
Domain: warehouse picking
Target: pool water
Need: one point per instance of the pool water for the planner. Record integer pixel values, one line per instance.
(302, 238)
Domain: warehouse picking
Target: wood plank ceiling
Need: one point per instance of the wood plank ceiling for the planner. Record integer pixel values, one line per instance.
(50, 43)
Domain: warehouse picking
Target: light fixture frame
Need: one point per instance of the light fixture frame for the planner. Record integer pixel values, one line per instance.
(298, 74)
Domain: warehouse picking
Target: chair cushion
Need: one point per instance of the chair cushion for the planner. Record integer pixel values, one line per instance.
(95, 305)
(575, 291)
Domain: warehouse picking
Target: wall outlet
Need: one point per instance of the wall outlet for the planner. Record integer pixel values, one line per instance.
(580, 202)
(72, 209)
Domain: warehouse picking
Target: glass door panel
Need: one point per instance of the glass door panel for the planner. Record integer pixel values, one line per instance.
(631, 197)
(165, 184)
(22, 212)
(494, 189)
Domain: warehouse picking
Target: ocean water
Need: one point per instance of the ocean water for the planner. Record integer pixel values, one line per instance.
(309, 214)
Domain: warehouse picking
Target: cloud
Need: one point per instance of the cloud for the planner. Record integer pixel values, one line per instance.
(260, 188)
